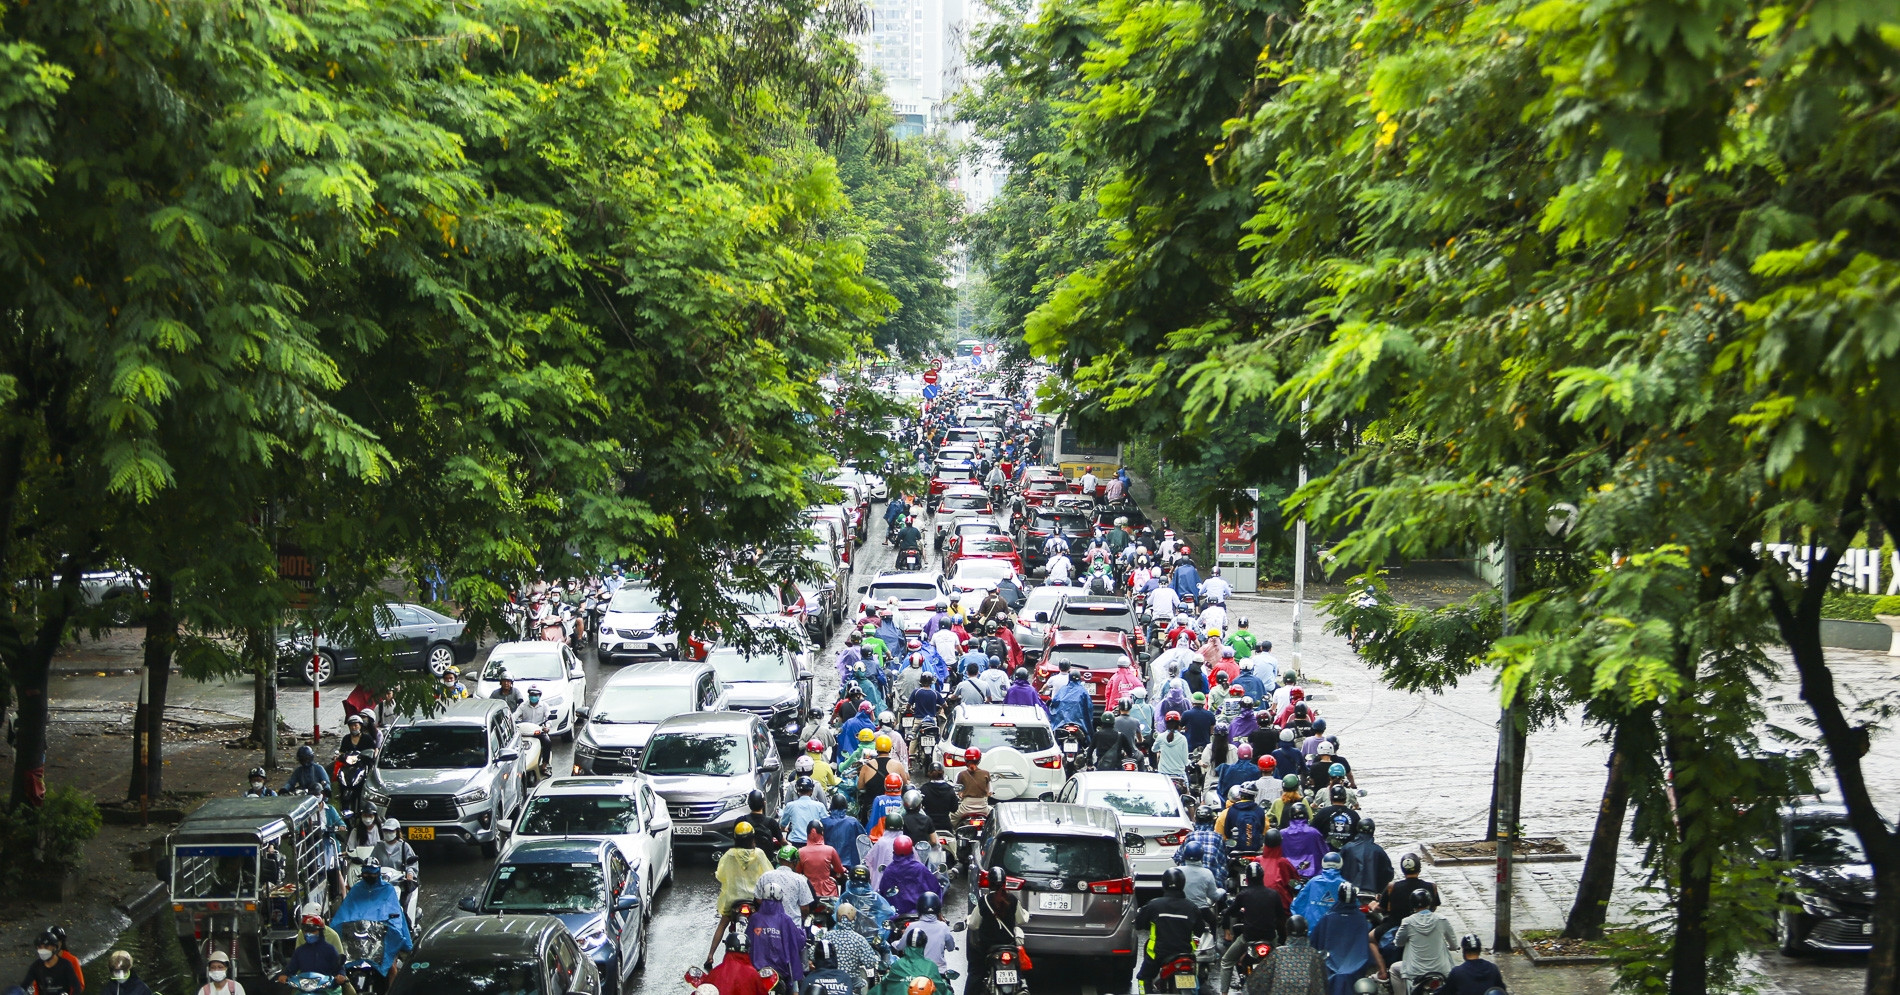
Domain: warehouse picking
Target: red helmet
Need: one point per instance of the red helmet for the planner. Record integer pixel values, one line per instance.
(1173, 716)
(893, 784)
(814, 746)
(972, 754)
(864, 706)
(1266, 763)
(902, 846)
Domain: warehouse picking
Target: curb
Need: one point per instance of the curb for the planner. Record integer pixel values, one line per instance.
(1555, 960)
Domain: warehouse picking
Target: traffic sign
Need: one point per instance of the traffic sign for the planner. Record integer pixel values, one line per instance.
(976, 350)
(937, 364)
(931, 391)
(931, 375)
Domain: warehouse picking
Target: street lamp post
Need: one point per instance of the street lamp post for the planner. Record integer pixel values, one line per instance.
(1299, 555)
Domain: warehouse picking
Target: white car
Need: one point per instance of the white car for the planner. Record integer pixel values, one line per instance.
(1024, 728)
(1033, 618)
(1148, 804)
(918, 596)
(550, 667)
(982, 574)
(635, 628)
(869, 483)
(618, 807)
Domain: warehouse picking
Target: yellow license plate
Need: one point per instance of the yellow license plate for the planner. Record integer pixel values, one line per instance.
(422, 832)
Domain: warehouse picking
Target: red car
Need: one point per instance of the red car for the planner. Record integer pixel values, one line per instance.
(946, 475)
(1094, 656)
(994, 546)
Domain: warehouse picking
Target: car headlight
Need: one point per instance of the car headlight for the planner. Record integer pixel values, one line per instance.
(590, 940)
(375, 797)
(731, 802)
(471, 796)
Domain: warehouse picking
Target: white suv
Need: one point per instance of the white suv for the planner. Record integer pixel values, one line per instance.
(622, 808)
(1022, 727)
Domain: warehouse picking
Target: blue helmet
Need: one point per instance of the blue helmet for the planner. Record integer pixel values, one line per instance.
(1192, 851)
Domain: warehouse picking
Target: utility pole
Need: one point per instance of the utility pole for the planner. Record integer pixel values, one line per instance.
(1506, 814)
(1299, 556)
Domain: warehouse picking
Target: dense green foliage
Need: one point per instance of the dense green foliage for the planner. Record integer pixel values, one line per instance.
(486, 288)
(1634, 256)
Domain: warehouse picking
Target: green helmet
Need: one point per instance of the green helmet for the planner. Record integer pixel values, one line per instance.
(1291, 782)
(869, 628)
(788, 853)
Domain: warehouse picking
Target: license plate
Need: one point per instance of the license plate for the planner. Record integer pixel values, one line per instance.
(1183, 982)
(687, 829)
(1056, 903)
(1068, 748)
(422, 832)
(1005, 976)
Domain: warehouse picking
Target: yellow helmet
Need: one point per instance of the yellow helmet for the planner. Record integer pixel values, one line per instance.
(742, 829)
(1213, 633)
(865, 735)
(883, 744)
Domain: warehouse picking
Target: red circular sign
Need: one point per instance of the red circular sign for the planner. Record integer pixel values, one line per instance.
(930, 376)
(936, 364)
(976, 350)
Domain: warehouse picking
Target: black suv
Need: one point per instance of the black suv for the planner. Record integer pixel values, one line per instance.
(1833, 885)
(1043, 522)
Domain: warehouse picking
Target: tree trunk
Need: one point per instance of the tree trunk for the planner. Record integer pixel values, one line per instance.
(1695, 862)
(1592, 905)
(30, 665)
(161, 640)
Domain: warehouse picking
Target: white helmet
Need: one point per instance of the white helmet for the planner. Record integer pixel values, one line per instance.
(390, 825)
(1247, 665)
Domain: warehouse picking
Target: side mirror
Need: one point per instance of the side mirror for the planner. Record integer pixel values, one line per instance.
(467, 904)
(577, 674)
(508, 756)
(863, 588)
(504, 826)
(627, 902)
(1042, 616)
(959, 927)
(581, 710)
(771, 763)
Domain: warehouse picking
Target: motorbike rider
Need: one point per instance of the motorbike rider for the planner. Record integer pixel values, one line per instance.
(842, 829)
(1293, 968)
(856, 956)
(887, 810)
(1171, 750)
(874, 910)
(308, 775)
(1476, 976)
(218, 979)
(1021, 693)
(973, 785)
(1244, 824)
(372, 899)
(1276, 871)
(1242, 770)
(536, 713)
(910, 540)
(1409, 893)
(1129, 727)
(1165, 927)
(258, 788)
(505, 690)
(1427, 941)
(940, 800)
(887, 727)
(825, 978)
(735, 974)
(1336, 819)
(926, 702)
(1256, 915)
(1326, 751)
(314, 954)
(1070, 703)
(786, 883)
(1366, 865)
(1317, 896)
(906, 879)
(391, 850)
(917, 824)
(879, 769)
(801, 811)
(122, 980)
(1212, 852)
(1200, 881)
(52, 972)
(359, 739)
(912, 973)
(1302, 844)
(931, 930)
(1058, 568)
(1113, 746)
(1288, 759)
(999, 919)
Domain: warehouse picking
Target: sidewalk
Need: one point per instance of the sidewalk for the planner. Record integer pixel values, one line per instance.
(1427, 762)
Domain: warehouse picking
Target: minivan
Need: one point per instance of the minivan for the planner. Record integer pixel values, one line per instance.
(452, 775)
(633, 702)
(1066, 864)
(705, 764)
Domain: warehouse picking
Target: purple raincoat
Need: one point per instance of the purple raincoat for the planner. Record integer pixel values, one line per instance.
(848, 660)
(1304, 846)
(778, 942)
(1243, 724)
(1020, 693)
(905, 882)
(880, 857)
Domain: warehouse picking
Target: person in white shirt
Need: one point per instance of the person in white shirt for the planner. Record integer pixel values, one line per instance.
(1058, 680)
(1114, 492)
(1283, 695)
(944, 640)
(1215, 588)
(1164, 602)
(1088, 481)
(1059, 569)
(1213, 618)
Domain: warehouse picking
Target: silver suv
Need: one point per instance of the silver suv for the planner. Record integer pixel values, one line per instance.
(705, 764)
(453, 775)
(1067, 864)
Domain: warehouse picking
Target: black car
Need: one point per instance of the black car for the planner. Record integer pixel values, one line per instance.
(518, 954)
(1076, 527)
(771, 683)
(420, 637)
(1833, 884)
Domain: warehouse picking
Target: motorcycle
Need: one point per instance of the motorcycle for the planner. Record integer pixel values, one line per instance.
(312, 983)
(1069, 740)
(531, 759)
(923, 744)
(1005, 975)
(910, 560)
(548, 624)
(352, 773)
(1177, 975)
(969, 835)
(411, 890)
(1251, 958)
(1427, 983)
(1207, 946)
(362, 952)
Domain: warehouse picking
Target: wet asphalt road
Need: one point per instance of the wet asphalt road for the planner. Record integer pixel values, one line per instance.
(682, 918)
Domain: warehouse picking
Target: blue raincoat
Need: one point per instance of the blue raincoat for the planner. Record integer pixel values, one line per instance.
(1318, 897)
(377, 901)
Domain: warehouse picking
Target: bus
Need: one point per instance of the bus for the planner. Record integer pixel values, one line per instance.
(1067, 449)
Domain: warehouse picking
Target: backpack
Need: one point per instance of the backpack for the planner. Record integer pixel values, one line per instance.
(1246, 828)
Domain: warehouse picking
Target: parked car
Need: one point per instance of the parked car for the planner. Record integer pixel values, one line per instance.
(517, 955)
(1093, 655)
(552, 668)
(620, 808)
(917, 594)
(1150, 808)
(633, 703)
(417, 636)
(1024, 728)
(1066, 863)
(589, 885)
(704, 764)
(636, 627)
(1832, 882)
(772, 683)
(452, 775)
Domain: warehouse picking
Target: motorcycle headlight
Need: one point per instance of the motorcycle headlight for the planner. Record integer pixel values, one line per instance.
(471, 796)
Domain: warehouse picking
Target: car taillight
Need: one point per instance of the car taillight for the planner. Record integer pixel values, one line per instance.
(952, 760)
(1118, 886)
(1050, 763)
(1175, 838)
(1012, 884)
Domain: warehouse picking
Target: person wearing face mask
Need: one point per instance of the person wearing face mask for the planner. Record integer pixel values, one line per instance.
(391, 850)
(259, 788)
(314, 954)
(218, 976)
(123, 981)
(51, 974)
(534, 712)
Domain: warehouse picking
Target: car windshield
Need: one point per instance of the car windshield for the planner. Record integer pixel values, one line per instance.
(526, 663)
(985, 737)
(563, 815)
(1042, 599)
(1071, 858)
(697, 753)
(986, 569)
(956, 474)
(969, 529)
(734, 666)
(756, 602)
(636, 600)
(1147, 802)
(434, 748)
(966, 502)
(1115, 618)
(902, 592)
(1091, 658)
(640, 703)
(1827, 844)
(465, 975)
(1045, 485)
(556, 888)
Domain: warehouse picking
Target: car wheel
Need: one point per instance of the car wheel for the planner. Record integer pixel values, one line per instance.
(641, 964)
(568, 736)
(326, 669)
(1791, 933)
(441, 658)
